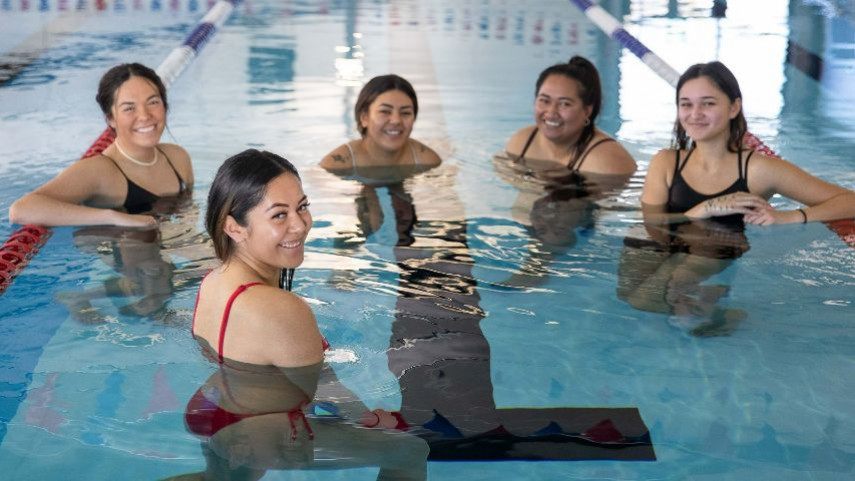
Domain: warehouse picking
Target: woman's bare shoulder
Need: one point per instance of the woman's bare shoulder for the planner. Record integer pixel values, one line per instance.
(518, 140)
(609, 156)
(427, 156)
(339, 159)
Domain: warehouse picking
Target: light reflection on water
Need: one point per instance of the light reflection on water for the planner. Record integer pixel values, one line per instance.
(557, 335)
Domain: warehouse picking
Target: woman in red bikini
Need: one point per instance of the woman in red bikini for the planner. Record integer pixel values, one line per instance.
(128, 177)
(250, 413)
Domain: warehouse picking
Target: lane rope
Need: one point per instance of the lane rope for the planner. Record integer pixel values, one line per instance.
(612, 27)
(25, 242)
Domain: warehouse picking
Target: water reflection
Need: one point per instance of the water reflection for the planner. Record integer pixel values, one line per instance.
(437, 349)
(252, 419)
(145, 277)
(663, 269)
(553, 204)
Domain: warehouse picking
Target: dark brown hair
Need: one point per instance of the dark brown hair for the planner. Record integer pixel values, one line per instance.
(586, 76)
(118, 75)
(379, 85)
(724, 79)
(239, 185)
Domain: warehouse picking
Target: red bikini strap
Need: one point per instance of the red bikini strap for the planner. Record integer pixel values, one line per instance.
(226, 313)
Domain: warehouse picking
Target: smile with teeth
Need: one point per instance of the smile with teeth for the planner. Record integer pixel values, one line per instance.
(292, 244)
(145, 130)
(393, 132)
(551, 123)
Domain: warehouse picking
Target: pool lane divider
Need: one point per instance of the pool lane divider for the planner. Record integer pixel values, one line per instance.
(612, 27)
(25, 242)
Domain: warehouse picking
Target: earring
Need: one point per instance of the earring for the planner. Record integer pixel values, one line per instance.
(587, 121)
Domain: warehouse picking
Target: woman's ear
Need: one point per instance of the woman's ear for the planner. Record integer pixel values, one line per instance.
(235, 231)
(110, 121)
(735, 107)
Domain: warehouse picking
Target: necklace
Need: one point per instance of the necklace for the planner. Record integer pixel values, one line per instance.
(135, 161)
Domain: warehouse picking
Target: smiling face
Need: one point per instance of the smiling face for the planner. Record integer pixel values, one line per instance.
(559, 112)
(389, 120)
(704, 110)
(138, 114)
(277, 227)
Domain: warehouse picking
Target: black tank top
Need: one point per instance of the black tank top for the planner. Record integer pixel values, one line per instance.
(574, 166)
(139, 199)
(682, 197)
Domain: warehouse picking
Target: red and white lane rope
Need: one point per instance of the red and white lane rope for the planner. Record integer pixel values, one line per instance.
(25, 242)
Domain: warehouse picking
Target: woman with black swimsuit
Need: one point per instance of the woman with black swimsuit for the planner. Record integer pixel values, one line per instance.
(131, 174)
(699, 195)
(567, 102)
(703, 175)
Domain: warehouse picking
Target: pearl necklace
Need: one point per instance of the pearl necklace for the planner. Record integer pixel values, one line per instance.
(135, 161)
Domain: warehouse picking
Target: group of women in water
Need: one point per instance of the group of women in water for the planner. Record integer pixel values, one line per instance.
(258, 219)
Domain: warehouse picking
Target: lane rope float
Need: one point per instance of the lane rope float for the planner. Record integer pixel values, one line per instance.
(25, 242)
(844, 228)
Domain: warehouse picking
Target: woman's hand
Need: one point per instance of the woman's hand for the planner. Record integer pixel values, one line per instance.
(379, 419)
(133, 220)
(729, 204)
(771, 216)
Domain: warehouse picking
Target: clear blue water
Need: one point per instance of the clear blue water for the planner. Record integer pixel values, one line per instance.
(772, 399)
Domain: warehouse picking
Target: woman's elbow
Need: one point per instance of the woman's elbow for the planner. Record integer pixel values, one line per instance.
(18, 212)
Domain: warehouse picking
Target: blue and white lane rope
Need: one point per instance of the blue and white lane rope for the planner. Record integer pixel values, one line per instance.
(613, 28)
(177, 60)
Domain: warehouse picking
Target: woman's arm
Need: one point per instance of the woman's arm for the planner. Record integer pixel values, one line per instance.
(427, 156)
(181, 161)
(284, 332)
(824, 200)
(58, 202)
(610, 158)
(338, 159)
(654, 197)
(517, 141)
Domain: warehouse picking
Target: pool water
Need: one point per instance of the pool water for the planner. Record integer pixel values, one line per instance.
(519, 285)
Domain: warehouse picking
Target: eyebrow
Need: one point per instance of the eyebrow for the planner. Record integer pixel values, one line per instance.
(131, 102)
(283, 204)
(392, 106)
(702, 98)
(549, 97)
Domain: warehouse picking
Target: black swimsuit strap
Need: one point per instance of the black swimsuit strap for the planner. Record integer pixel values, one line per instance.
(678, 167)
(743, 170)
(182, 186)
(577, 165)
(117, 165)
(527, 145)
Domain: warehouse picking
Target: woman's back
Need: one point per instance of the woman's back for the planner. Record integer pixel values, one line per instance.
(243, 320)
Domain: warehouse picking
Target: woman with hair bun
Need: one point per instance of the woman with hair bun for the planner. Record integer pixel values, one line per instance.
(567, 101)
(128, 177)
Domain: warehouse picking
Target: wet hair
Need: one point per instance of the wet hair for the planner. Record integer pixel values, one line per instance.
(238, 187)
(586, 76)
(380, 85)
(724, 79)
(118, 75)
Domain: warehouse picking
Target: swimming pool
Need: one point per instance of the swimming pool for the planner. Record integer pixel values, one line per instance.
(103, 394)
